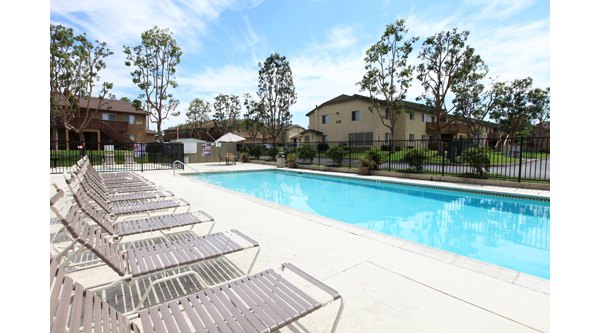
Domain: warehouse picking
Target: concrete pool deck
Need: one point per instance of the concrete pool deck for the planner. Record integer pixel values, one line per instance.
(388, 284)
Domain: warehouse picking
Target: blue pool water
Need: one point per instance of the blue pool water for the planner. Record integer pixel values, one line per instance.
(504, 231)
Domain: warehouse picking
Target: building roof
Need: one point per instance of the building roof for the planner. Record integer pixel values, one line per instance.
(310, 131)
(345, 98)
(113, 105)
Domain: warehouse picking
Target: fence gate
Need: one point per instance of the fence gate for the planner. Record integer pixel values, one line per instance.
(114, 156)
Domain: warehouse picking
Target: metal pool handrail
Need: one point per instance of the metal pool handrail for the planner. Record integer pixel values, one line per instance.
(185, 165)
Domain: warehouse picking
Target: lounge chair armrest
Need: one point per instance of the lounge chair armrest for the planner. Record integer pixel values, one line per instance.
(250, 240)
(312, 280)
(59, 194)
(185, 202)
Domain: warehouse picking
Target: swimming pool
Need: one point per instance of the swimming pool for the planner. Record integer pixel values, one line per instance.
(506, 231)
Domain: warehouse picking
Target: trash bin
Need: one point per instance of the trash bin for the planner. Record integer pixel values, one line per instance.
(280, 160)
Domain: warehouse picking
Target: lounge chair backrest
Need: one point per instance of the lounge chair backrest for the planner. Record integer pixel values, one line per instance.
(93, 239)
(99, 215)
(74, 309)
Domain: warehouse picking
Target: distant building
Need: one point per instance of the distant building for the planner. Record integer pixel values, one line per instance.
(348, 119)
(116, 121)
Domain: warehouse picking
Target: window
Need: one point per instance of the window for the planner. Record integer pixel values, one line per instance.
(131, 119)
(132, 137)
(387, 114)
(109, 116)
(365, 138)
(424, 118)
(387, 137)
(433, 119)
(324, 119)
(411, 137)
(324, 138)
(412, 116)
(355, 115)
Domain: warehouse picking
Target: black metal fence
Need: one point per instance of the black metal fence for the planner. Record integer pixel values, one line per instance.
(519, 159)
(113, 156)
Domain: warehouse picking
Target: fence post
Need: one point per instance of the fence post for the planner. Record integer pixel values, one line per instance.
(520, 157)
(390, 158)
(443, 157)
(350, 155)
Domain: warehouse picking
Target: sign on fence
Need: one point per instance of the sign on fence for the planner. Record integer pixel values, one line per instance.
(206, 149)
(139, 149)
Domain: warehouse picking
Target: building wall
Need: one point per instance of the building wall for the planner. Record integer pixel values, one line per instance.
(416, 126)
(340, 122)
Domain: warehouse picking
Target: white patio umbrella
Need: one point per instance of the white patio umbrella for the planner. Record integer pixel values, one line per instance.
(230, 137)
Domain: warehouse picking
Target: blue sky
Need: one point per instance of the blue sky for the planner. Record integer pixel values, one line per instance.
(224, 40)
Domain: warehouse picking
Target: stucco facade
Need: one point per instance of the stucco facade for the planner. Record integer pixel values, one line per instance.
(348, 118)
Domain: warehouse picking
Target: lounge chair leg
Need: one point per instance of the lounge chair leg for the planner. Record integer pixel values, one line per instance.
(211, 227)
(337, 317)
(166, 278)
(253, 261)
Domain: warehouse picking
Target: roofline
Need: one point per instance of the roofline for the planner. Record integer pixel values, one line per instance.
(409, 104)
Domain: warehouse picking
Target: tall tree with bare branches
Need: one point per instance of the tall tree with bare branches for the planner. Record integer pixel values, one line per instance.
(277, 94)
(75, 65)
(442, 56)
(388, 75)
(154, 62)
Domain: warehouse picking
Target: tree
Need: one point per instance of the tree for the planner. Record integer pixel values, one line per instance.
(539, 100)
(252, 122)
(513, 110)
(388, 75)
(227, 111)
(277, 93)
(472, 101)
(442, 56)
(154, 62)
(75, 64)
(198, 113)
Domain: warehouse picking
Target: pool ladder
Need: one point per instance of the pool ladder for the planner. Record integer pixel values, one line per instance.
(185, 165)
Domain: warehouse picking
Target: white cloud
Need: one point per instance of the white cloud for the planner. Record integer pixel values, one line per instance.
(120, 22)
(511, 50)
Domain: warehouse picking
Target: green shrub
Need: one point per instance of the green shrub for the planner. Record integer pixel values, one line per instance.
(336, 154)
(375, 155)
(415, 159)
(322, 147)
(478, 159)
(367, 162)
(255, 151)
(272, 152)
(291, 157)
(306, 153)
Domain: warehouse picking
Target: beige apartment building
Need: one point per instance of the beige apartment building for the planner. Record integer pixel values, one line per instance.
(348, 118)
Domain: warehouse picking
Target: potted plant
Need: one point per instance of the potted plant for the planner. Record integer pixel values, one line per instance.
(366, 164)
(291, 160)
(244, 157)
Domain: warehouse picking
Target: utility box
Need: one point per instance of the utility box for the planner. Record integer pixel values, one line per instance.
(280, 160)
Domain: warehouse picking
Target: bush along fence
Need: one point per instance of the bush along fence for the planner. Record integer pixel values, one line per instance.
(113, 156)
(519, 159)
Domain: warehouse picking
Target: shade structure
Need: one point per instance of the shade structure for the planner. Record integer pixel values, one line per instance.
(230, 137)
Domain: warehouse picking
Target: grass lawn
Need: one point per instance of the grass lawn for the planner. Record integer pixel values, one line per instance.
(496, 158)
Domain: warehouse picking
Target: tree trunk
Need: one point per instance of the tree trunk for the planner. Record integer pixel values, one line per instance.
(55, 137)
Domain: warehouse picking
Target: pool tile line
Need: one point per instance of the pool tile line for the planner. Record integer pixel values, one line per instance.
(417, 183)
(471, 264)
